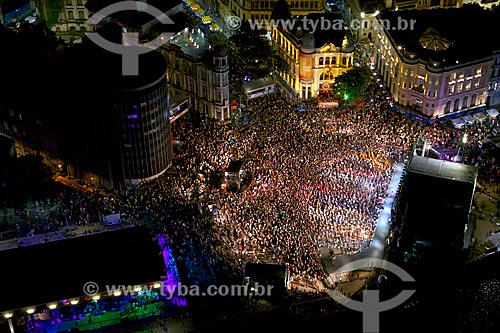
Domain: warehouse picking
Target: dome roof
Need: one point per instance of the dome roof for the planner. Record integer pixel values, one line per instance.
(308, 43)
(432, 40)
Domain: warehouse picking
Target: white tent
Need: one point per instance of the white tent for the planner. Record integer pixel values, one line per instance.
(458, 123)
(492, 113)
(481, 116)
(468, 119)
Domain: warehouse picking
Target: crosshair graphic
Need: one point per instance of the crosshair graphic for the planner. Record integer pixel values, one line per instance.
(371, 306)
(130, 52)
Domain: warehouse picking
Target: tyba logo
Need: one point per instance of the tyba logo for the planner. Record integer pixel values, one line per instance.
(130, 52)
(371, 306)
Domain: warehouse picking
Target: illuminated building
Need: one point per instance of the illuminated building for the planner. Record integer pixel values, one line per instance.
(425, 4)
(315, 59)
(364, 13)
(70, 24)
(199, 71)
(435, 68)
(262, 9)
(15, 11)
(494, 84)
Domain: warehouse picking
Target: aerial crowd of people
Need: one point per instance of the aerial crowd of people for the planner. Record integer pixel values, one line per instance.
(318, 180)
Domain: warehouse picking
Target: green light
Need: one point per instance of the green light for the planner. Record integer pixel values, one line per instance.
(346, 97)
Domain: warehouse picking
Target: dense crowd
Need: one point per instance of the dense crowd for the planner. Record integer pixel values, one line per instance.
(318, 179)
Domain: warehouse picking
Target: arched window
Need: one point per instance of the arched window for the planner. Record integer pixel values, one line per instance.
(456, 105)
(327, 61)
(473, 100)
(327, 76)
(321, 61)
(334, 60)
(447, 107)
(465, 102)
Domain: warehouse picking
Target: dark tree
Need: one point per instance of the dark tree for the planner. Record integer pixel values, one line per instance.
(352, 83)
(251, 53)
(26, 177)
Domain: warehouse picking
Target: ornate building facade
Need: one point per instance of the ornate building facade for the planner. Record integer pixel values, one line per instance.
(262, 9)
(315, 59)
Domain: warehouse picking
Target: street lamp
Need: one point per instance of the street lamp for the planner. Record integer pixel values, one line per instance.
(464, 139)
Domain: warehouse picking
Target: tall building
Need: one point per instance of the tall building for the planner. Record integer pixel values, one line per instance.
(262, 9)
(434, 64)
(123, 135)
(143, 123)
(315, 58)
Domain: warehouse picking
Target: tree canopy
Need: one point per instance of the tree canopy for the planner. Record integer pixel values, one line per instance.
(352, 83)
(251, 54)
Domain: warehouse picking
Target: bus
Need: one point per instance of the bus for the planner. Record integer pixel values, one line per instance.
(178, 106)
(258, 88)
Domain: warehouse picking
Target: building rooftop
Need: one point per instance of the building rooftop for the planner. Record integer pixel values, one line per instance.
(443, 169)
(259, 83)
(56, 271)
(371, 6)
(460, 34)
(192, 43)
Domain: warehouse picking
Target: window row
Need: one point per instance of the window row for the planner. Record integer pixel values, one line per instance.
(266, 4)
(459, 87)
(80, 13)
(460, 106)
(464, 74)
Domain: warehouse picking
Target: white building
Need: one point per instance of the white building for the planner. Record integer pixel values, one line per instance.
(198, 70)
(440, 65)
(315, 59)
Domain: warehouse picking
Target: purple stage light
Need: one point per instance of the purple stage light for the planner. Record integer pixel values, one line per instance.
(173, 279)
